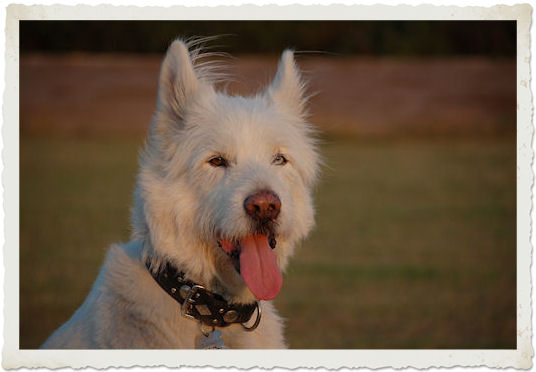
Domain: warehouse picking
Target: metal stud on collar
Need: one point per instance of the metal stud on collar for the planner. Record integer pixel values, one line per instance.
(257, 321)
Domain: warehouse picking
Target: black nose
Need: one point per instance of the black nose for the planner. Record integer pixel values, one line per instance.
(263, 205)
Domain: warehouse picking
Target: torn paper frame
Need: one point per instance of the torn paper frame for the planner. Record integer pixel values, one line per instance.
(521, 357)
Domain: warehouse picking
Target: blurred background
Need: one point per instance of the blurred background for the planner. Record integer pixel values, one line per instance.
(415, 243)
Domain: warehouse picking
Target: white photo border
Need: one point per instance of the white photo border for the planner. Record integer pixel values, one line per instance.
(13, 357)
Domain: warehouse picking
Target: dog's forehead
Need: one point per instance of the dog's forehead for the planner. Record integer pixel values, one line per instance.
(245, 120)
(250, 109)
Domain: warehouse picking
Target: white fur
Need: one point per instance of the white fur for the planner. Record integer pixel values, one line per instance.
(182, 205)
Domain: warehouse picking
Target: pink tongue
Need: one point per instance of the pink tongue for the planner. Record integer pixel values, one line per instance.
(258, 267)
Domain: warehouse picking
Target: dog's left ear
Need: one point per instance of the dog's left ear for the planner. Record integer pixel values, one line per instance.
(287, 88)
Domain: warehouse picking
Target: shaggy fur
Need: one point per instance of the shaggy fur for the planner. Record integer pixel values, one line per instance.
(183, 206)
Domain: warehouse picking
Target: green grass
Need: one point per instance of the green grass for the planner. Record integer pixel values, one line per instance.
(415, 243)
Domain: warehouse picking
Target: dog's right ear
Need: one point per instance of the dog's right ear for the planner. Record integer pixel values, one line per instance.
(178, 82)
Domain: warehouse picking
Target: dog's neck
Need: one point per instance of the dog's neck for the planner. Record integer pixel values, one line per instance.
(197, 302)
(159, 263)
(156, 264)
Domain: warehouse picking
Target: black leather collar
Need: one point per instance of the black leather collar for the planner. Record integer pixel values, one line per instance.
(207, 307)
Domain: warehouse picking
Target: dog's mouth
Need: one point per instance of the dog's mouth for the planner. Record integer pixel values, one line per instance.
(254, 259)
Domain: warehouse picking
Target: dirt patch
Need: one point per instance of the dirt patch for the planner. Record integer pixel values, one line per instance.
(116, 94)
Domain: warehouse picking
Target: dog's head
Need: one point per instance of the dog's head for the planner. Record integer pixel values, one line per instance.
(224, 190)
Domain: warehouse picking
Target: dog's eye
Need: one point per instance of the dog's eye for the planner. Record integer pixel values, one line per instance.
(218, 161)
(279, 159)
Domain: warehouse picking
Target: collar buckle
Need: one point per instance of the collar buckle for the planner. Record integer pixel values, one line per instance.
(189, 301)
(198, 303)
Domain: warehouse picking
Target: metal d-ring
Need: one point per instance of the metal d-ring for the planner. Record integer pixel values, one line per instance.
(257, 321)
(205, 333)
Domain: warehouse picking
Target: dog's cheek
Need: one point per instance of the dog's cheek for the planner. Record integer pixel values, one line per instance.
(284, 251)
(212, 213)
(167, 208)
(204, 183)
(305, 220)
(301, 210)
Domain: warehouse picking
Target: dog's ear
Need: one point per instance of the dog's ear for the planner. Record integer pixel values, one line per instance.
(178, 81)
(287, 88)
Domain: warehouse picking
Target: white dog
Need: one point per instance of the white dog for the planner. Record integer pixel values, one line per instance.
(223, 195)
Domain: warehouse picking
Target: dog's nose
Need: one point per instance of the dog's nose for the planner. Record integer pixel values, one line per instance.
(263, 205)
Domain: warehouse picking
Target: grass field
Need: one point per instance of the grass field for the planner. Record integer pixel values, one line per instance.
(415, 243)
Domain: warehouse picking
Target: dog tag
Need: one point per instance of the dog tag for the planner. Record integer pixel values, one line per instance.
(214, 340)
